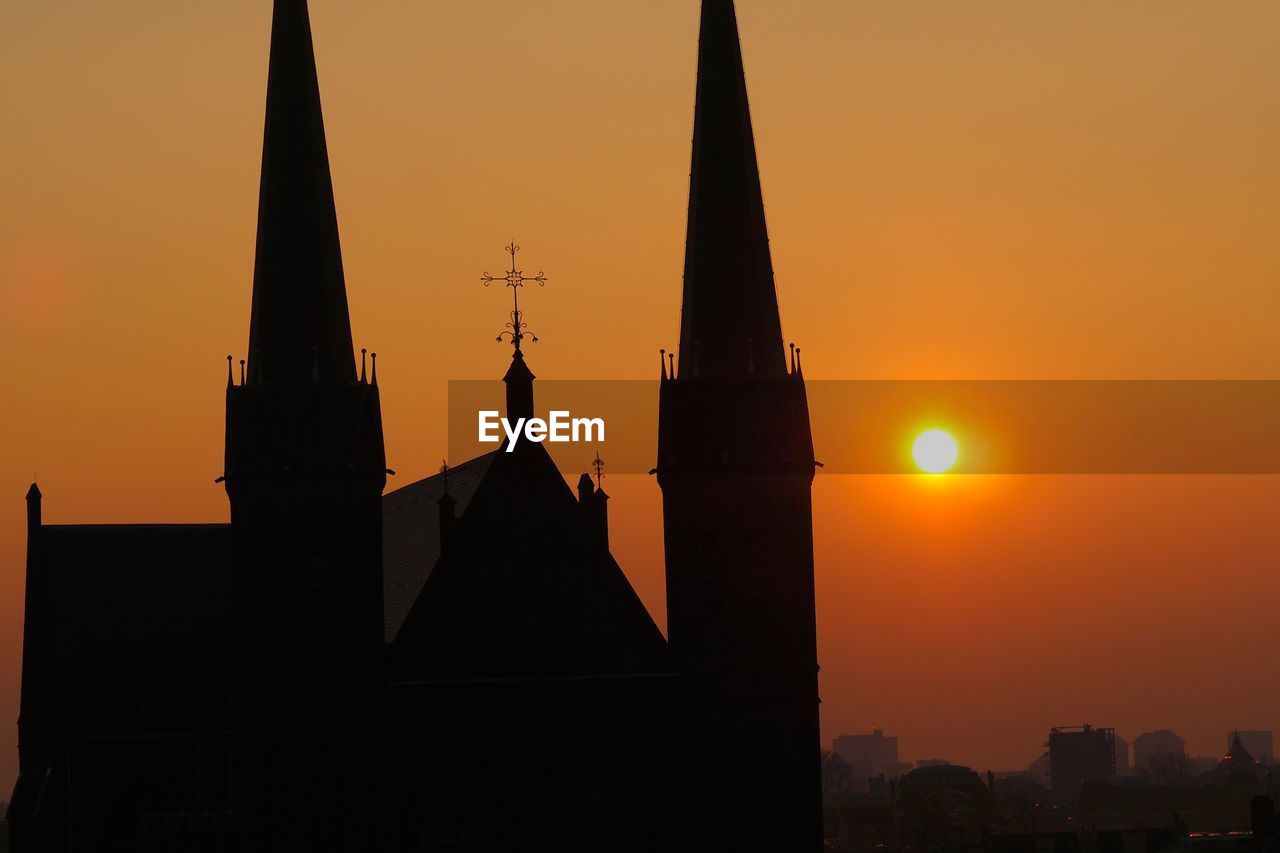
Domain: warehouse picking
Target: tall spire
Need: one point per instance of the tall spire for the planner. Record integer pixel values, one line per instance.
(729, 296)
(300, 321)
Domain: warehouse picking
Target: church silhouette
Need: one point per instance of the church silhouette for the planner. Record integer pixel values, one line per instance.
(461, 664)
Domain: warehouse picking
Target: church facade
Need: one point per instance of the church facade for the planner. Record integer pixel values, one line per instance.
(459, 664)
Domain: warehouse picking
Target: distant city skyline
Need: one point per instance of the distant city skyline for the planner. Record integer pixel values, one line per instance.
(1007, 190)
(888, 747)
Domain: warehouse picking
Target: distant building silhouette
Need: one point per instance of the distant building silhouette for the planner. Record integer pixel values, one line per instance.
(1039, 769)
(1259, 743)
(460, 664)
(869, 755)
(1237, 762)
(1079, 754)
(1234, 796)
(1123, 766)
(1149, 745)
(932, 762)
(942, 807)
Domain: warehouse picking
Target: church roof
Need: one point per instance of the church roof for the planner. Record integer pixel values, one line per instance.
(134, 625)
(524, 587)
(1238, 759)
(411, 534)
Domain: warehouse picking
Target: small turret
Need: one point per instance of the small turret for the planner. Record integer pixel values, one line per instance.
(33, 507)
(594, 502)
(519, 381)
(448, 509)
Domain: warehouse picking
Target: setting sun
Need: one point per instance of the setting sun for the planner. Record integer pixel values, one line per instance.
(935, 451)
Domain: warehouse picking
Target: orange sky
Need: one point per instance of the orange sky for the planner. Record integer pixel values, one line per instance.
(978, 190)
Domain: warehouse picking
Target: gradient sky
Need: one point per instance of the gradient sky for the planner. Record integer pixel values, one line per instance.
(978, 190)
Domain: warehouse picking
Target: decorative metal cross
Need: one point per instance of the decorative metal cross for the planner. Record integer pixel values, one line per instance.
(515, 279)
(598, 464)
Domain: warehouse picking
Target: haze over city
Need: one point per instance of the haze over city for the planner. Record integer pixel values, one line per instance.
(981, 192)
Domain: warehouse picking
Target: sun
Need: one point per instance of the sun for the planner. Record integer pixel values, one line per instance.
(935, 451)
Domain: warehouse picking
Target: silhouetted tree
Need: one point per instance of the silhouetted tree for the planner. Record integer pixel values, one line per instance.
(839, 782)
(1171, 768)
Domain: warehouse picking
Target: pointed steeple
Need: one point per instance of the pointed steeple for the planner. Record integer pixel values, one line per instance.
(735, 465)
(519, 379)
(1237, 758)
(729, 296)
(33, 506)
(300, 320)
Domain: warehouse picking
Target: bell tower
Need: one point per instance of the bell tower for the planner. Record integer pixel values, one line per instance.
(736, 465)
(305, 471)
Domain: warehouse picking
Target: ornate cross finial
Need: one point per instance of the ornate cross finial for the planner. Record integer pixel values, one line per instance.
(515, 279)
(598, 465)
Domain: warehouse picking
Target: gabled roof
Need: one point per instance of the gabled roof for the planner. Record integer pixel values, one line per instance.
(1238, 759)
(525, 586)
(411, 534)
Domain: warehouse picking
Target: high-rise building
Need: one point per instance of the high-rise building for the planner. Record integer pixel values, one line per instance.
(869, 755)
(1079, 754)
(1149, 745)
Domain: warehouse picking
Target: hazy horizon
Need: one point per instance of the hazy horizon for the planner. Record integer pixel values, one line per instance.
(990, 191)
